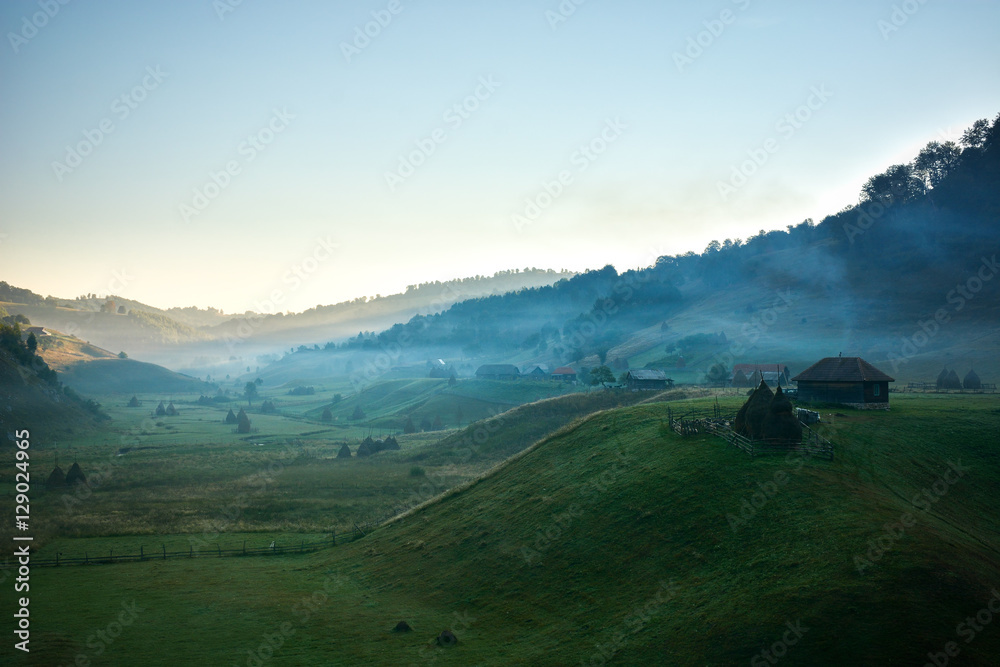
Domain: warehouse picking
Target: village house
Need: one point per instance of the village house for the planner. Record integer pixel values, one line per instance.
(498, 372)
(849, 381)
(647, 380)
(564, 373)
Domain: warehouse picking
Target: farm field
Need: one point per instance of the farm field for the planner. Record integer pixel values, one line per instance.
(612, 539)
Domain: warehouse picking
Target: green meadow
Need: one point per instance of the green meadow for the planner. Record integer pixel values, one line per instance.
(610, 540)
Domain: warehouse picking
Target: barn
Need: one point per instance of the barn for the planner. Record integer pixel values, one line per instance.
(850, 381)
(647, 380)
(564, 373)
(498, 372)
(537, 373)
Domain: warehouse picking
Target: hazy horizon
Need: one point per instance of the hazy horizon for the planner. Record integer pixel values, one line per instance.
(229, 146)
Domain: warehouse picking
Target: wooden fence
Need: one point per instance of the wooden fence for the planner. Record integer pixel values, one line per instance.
(274, 549)
(812, 443)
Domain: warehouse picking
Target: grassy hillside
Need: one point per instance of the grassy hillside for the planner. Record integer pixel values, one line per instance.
(128, 376)
(608, 542)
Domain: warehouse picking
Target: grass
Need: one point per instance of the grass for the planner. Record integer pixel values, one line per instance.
(608, 538)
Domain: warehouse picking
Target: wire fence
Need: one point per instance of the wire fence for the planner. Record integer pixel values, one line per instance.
(273, 549)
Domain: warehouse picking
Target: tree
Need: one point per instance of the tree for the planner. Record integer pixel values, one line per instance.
(358, 413)
(250, 391)
(601, 375)
(896, 185)
(327, 415)
(122, 355)
(976, 135)
(935, 161)
(32, 343)
(409, 427)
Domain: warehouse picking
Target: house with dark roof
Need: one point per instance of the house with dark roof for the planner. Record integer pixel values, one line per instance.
(775, 375)
(498, 372)
(850, 381)
(537, 373)
(564, 373)
(647, 380)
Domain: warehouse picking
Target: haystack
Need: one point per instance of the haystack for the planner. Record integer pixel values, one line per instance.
(781, 426)
(942, 378)
(243, 422)
(268, 407)
(402, 626)
(367, 447)
(447, 638)
(134, 402)
(345, 452)
(390, 444)
(231, 417)
(75, 475)
(327, 415)
(56, 479)
(171, 410)
(740, 379)
(953, 381)
(161, 410)
(972, 381)
(749, 420)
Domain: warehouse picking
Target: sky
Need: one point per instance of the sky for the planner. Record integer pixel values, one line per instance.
(242, 154)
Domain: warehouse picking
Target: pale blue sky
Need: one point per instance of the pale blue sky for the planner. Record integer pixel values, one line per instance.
(653, 191)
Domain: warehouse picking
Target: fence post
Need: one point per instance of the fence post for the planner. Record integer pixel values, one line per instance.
(141, 556)
(86, 558)
(219, 548)
(244, 547)
(164, 551)
(190, 551)
(57, 559)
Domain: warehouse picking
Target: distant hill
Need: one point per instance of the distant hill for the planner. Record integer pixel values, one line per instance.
(128, 376)
(32, 398)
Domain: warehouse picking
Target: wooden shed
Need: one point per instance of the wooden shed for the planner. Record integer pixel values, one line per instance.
(498, 372)
(647, 380)
(850, 381)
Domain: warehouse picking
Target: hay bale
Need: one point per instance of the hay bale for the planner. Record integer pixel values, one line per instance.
(75, 475)
(447, 639)
(390, 444)
(402, 626)
(740, 379)
(942, 378)
(367, 447)
(134, 402)
(171, 410)
(161, 410)
(243, 422)
(953, 381)
(749, 420)
(56, 479)
(972, 381)
(781, 426)
(345, 452)
(327, 415)
(231, 417)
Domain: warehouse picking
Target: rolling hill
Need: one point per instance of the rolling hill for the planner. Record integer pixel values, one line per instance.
(616, 541)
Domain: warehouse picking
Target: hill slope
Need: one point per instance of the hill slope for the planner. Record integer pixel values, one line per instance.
(609, 542)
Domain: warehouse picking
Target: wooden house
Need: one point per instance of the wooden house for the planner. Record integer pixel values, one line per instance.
(498, 372)
(850, 381)
(647, 380)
